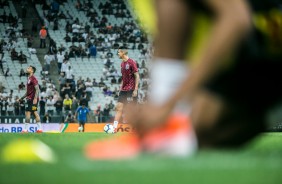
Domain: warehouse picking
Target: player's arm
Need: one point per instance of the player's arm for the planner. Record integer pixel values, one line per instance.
(232, 23)
(136, 76)
(25, 95)
(120, 87)
(36, 93)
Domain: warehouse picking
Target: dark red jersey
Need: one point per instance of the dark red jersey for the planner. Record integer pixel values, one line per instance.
(31, 83)
(128, 68)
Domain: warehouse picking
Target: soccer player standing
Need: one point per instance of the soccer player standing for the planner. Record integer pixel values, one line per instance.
(129, 84)
(32, 96)
(81, 115)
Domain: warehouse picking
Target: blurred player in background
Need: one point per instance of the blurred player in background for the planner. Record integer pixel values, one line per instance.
(32, 97)
(129, 84)
(81, 114)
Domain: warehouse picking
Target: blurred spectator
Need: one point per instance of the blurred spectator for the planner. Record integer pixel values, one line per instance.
(50, 105)
(65, 66)
(1, 60)
(42, 104)
(22, 107)
(4, 105)
(22, 73)
(10, 106)
(47, 61)
(17, 106)
(97, 114)
(1, 105)
(74, 104)
(21, 86)
(14, 54)
(84, 100)
(80, 90)
(49, 91)
(59, 106)
(62, 80)
(67, 103)
(66, 90)
(47, 118)
(67, 38)
(113, 80)
(68, 74)
(111, 105)
(94, 83)
(7, 73)
(34, 26)
(102, 83)
(22, 58)
(2, 88)
(115, 93)
(92, 51)
(61, 15)
(88, 90)
(55, 7)
(106, 114)
(108, 62)
(60, 59)
(69, 118)
(107, 91)
(43, 35)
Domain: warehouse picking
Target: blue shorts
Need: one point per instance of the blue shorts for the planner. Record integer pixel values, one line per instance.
(82, 121)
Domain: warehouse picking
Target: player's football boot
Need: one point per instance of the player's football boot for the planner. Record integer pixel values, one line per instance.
(39, 131)
(173, 138)
(115, 148)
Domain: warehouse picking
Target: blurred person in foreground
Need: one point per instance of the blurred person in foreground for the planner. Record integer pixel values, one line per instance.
(222, 94)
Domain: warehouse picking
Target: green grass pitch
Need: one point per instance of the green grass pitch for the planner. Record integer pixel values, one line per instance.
(259, 162)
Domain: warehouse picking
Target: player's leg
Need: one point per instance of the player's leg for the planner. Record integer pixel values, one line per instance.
(38, 122)
(119, 108)
(27, 121)
(169, 70)
(28, 111)
(83, 126)
(170, 48)
(37, 117)
(79, 126)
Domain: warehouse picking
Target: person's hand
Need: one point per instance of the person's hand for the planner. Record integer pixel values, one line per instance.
(35, 101)
(19, 100)
(134, 93)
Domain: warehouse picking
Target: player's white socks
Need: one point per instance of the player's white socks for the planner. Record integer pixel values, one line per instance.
(115, 124)
(39, 125)
(26, 126)
(166, 76)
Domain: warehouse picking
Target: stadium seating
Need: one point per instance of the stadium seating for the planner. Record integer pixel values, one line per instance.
(86, 68)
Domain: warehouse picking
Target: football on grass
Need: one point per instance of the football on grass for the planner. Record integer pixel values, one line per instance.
(109, 129)
(80, 129)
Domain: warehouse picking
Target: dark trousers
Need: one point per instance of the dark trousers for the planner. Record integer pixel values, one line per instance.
(42, 43)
